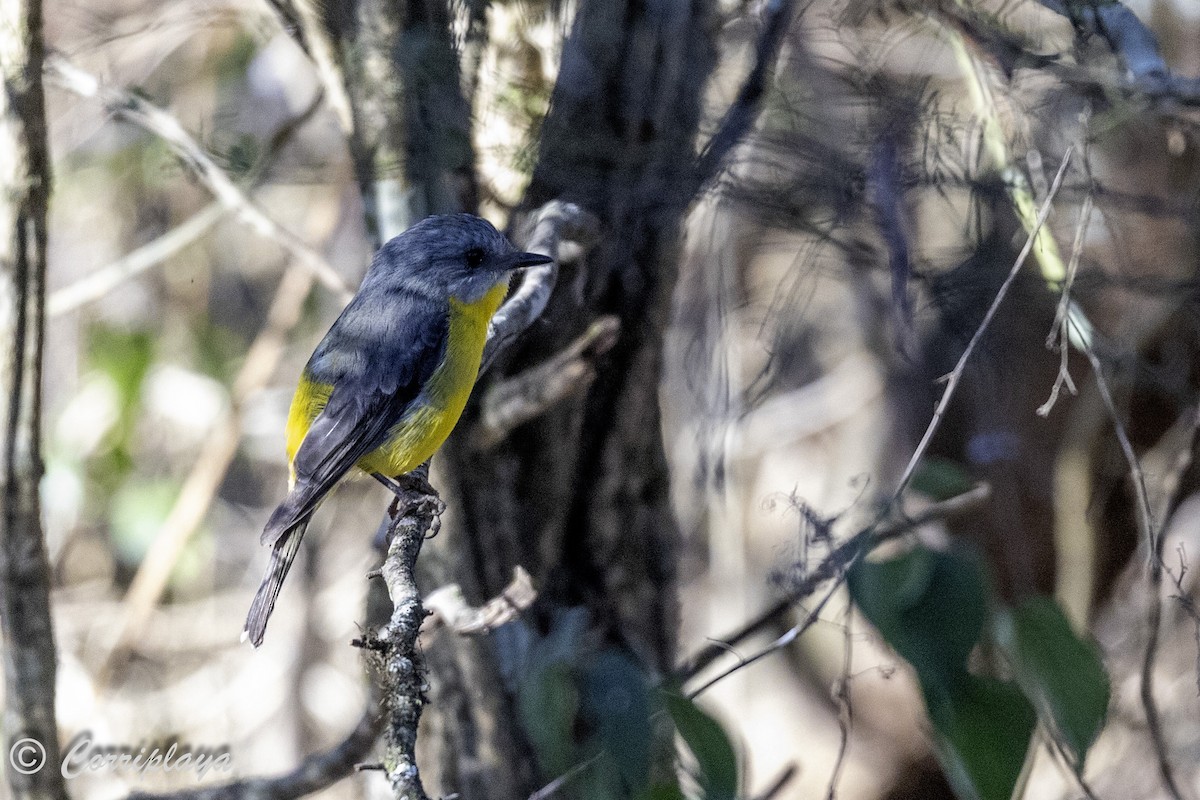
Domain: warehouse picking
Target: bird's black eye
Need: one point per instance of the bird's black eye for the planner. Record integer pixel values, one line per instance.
(474, 257)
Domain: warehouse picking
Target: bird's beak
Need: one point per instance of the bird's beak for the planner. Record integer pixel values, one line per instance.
(526, 260)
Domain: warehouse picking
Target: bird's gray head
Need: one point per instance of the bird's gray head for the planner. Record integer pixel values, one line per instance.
(453, 255)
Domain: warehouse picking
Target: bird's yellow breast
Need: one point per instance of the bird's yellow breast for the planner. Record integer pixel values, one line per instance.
(435, 412)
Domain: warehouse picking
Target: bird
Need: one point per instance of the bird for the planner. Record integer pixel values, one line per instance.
(388, 382)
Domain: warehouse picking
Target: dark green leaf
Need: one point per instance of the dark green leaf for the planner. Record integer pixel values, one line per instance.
(547, 702)
(930, 607)
(706, 739)
(1062, 674)
(616, 702)
(984, 728)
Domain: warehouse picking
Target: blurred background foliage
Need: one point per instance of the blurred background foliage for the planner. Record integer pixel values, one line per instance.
(803, 355)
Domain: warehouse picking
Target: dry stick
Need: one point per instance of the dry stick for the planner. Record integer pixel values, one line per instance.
(157, 121)
(1153, 539)
(959, 368)
(202, 483)
(1060, 331)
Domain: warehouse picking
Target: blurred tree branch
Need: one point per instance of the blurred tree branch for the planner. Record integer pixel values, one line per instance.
(29, 655)
(100, 282)
(145, 115)
(1133, 43)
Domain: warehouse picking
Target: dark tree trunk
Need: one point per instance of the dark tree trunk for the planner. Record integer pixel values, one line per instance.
(579, 495)
(29, 656)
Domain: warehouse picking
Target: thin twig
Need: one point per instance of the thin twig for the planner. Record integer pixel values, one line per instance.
(552, 788)
(832, 566)
(841, 695)
(779, 784)
(1060, 336)
(1152, 537)
(959, 368)
(100, 282)
(791, 635)
(157, 121)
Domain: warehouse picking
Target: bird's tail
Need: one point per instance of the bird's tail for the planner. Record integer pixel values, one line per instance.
(282, 555)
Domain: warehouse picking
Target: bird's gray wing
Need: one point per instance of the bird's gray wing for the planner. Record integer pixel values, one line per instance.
(378, 356)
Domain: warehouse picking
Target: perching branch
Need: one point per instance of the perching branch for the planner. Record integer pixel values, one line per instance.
(414, 515)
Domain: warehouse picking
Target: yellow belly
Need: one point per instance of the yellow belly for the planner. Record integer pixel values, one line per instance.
(426, 426)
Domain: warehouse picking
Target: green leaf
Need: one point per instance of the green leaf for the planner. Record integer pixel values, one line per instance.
(930, 607)
(547, 703)
(662, 791)
(615, 698)
(941, 479)
(984, 728)
(706, 739)
(1061, 673)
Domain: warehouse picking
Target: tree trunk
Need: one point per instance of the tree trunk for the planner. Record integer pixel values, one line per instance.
(31, 735)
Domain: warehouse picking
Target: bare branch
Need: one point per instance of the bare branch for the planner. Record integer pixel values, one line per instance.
(1152, 536)
(153, 119)
(447, 606)
(549, 230)
(97, 284)
(777, 14)
(522, 397)
(102, 281)
(832, 566)
(1060, 335)
(414, 514)
(956, 375)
